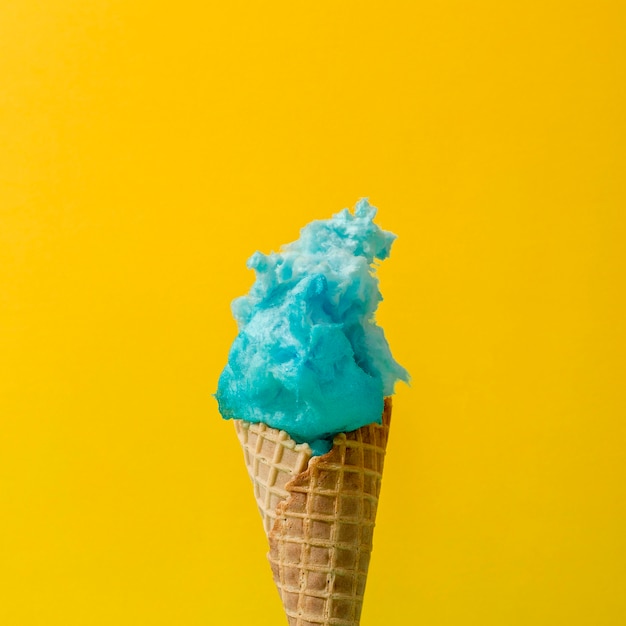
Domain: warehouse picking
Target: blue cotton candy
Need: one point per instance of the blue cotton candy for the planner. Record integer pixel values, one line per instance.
(309, 358)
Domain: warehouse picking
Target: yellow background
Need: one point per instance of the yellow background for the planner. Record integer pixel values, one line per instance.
(148, 148)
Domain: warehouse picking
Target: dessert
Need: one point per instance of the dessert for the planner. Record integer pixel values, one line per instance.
(308, 385)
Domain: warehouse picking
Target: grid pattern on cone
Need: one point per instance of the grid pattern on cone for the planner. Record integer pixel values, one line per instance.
(321, 543)
(272, 459)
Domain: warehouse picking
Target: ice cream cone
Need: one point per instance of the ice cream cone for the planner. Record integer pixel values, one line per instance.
(319, 514)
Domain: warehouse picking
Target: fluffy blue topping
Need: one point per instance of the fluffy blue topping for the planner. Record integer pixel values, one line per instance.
(309, 358)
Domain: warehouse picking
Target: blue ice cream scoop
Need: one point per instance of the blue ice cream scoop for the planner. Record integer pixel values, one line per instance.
(309, 358)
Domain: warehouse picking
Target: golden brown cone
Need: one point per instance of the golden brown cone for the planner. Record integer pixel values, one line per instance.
(320, 531)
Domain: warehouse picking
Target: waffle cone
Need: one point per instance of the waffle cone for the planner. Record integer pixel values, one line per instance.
(319, 514)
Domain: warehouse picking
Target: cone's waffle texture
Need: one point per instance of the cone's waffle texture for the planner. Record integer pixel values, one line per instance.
(320, 532)
(272, 459)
